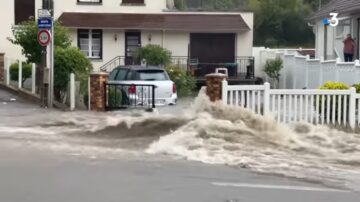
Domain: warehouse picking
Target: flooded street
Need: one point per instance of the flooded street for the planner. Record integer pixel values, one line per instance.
(195, 151)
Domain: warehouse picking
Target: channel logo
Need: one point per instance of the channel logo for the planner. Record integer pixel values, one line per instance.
(333, 21)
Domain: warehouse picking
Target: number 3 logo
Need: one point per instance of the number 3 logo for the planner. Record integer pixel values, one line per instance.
(334, 21)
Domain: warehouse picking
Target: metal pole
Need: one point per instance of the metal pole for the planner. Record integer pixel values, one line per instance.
(51, 68)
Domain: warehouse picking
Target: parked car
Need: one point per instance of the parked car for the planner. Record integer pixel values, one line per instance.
(136, 81)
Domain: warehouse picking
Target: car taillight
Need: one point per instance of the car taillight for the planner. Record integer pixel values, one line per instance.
(174, 88)
(132, 89)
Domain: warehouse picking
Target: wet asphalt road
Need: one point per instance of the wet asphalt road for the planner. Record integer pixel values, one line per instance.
(29, 174)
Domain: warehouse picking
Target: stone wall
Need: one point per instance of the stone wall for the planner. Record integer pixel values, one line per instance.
(214, 86)
(97, 91)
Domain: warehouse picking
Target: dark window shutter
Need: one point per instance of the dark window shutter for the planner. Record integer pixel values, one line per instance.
(24, 9)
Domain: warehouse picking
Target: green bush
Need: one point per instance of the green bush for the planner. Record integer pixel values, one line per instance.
(67, 61)
(153, 55)
(14, 71)
(333, 86)
(185, 83)
(357, 87)
(273, 68)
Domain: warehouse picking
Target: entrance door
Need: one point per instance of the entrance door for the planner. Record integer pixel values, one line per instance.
(132, 43)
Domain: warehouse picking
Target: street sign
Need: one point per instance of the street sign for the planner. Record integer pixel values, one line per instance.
(44, 13)
(44, 37)
(44, 23)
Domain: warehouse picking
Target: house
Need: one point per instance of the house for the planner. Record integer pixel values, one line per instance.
(329, 39)
(108, 32)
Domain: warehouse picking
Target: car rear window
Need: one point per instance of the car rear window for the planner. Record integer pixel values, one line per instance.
(153, 75)
(118, 74)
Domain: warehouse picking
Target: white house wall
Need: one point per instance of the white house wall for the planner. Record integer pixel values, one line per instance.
(108, 6)
(244, 41)
(7, 10)
(177, 43)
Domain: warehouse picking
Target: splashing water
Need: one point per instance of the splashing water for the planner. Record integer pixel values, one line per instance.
(207, 132)
(237, 137)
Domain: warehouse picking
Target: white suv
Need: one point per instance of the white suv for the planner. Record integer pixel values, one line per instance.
(139, 78)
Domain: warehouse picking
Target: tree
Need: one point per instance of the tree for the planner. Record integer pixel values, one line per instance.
(67, 61)
(281, 23)
(25, 36)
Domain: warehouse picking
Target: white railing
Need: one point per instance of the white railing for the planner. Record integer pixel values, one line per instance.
(334, 107)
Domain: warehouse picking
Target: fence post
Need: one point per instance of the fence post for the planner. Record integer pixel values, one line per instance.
(266, 98)
(7, 66)
(20, 75)
(33, 78)
(352, 107)
(307, 71)
(224, 91)
(72, 91)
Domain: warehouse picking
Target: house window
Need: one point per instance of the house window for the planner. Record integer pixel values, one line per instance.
(90, 43)
(133, 1)
(89, 1)
(24, 9)
(343, 28)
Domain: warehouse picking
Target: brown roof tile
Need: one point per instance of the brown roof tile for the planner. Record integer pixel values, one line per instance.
(181, 22)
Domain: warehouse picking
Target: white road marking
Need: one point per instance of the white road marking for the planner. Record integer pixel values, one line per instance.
(283, 187)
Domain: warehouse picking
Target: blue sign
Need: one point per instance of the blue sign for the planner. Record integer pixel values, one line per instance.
(44, 23)
(326, 21)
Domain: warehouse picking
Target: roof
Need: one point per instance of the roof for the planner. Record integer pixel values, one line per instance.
(140, 68)
(163, 21)
(338, 6)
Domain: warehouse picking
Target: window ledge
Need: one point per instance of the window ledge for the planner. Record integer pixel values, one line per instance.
(132, 4)
(89, 3)
(95, 59)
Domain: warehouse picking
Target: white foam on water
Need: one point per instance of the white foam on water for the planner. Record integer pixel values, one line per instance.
(234, 136)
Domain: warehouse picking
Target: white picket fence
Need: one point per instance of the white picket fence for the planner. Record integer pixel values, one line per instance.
(334, 107)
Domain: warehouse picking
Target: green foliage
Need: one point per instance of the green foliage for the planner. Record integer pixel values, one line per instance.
(281, 23)
(273, 68)
(153, 55)
(115, 98)
(334, 86)
(14, 71)
(357, 87)
(185, 83)
(67, 61)
(25, 36)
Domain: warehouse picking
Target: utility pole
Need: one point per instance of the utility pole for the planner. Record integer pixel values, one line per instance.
(46, 68)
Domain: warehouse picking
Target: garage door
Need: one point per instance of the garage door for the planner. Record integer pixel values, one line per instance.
(212, 48)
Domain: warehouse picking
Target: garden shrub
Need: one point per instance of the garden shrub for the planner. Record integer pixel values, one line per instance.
(185, 83)
(272, 70)
(67, 61)
(153, 55)
(14, 71)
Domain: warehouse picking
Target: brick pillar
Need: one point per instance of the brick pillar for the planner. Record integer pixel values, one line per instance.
(214, 85)
(2, 67)
(97, 91)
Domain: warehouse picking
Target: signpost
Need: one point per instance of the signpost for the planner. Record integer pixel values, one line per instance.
(44, 37)
(45, 34)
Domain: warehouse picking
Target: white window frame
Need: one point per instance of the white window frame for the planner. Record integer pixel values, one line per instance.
(90, 45)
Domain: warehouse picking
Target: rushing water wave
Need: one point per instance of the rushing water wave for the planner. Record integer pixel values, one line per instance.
(207, 132)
